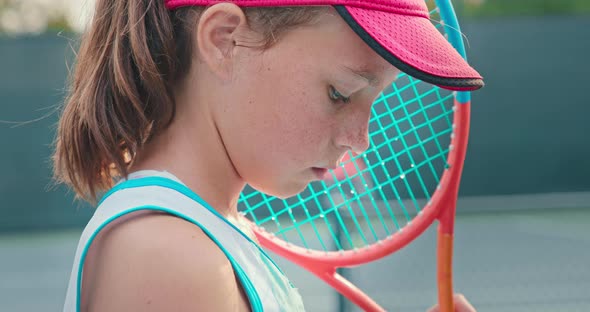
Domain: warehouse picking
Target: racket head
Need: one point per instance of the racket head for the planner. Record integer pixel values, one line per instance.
(382, 199)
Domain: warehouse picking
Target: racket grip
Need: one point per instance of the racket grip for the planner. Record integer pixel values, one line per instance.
(445, 272)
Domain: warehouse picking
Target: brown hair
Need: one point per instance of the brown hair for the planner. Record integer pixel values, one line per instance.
(121, 89)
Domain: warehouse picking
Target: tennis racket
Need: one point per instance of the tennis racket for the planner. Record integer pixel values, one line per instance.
(380, 200)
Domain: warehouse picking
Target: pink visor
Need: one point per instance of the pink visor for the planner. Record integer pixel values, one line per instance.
(398, 30)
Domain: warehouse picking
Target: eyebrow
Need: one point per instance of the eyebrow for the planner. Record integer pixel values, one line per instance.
(365, 75)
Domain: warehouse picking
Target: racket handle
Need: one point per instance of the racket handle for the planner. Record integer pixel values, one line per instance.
(445, 272)
(350, 291)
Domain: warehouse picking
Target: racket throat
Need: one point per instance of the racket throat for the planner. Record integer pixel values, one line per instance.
(348, 290)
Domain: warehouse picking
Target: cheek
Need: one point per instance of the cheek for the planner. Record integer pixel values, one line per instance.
(277, 125)
(280, 130)
(293, 122)
(291, 104)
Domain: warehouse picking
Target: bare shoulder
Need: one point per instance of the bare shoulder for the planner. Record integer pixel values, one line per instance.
(158, 262)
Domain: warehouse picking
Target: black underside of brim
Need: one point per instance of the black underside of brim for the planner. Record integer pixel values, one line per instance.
(455, 83)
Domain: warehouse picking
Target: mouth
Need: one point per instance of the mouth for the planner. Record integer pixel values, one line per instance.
(320, 173)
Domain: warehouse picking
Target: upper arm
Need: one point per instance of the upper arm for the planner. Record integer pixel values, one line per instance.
(161, 263)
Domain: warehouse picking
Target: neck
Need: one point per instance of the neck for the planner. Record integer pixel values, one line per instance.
(192, 149)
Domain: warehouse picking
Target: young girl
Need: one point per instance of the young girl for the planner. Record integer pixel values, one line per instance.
(175, 105)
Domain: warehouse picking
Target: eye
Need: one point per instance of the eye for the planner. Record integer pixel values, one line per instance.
(335, 96)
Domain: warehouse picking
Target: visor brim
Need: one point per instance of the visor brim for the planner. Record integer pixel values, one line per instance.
(413, 45)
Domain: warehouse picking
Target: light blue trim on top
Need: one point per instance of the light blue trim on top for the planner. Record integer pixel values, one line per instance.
(183, 189)
(447, 14)
(463, 97)
(253, 296)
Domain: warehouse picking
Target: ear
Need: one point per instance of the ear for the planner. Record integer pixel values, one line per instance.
(218, 28)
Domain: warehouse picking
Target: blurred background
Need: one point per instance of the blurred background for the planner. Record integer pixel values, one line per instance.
(523, 224)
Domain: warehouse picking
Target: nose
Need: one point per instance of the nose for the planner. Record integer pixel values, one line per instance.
(354, 133)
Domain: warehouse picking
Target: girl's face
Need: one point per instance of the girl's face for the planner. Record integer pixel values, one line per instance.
(291, 112)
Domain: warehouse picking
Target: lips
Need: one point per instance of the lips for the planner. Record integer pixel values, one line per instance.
(335, 165)
(320, 173)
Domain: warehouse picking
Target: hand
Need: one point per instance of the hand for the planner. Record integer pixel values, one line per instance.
(461, 305)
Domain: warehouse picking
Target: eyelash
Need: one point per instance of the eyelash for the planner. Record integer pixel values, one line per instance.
(335, 96)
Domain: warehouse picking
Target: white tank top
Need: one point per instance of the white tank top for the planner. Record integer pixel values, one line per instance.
(265, 285)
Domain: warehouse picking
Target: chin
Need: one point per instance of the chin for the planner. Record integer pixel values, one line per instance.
(283, 191)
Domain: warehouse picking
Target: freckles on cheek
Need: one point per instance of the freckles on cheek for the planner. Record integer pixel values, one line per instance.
(295, 120)
(304, 139)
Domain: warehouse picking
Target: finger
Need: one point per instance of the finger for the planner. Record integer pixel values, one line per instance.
(461, 304)
(434, 309)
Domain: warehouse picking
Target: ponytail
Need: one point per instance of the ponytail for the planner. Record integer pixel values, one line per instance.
(121, 92)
